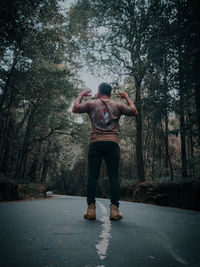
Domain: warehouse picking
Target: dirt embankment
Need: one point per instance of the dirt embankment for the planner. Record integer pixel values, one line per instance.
(10, 191)
(181, 195)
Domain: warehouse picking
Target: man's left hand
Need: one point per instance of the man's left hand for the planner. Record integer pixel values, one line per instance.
(86, 93)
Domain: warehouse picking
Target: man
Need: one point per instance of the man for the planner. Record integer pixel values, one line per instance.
(104, 143)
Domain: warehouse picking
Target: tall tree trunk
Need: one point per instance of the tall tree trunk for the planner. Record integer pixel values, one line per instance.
(6, 112)
(36, 162)
(139, 134)
(23, 169)
(153, 152)
(182, 122)
(196, 71)
(20, 169)
(45, 167)
(3, 138)
(5, 130)
(181, 91)
(166, 142)
(167, 151)
(195, 53)
(166, 115)
(46, 162)
(191, 145)
(146, 144)
(8, 158)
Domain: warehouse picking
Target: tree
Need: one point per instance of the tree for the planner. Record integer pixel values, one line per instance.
(145, 40)
(120, 34)
(37, 87)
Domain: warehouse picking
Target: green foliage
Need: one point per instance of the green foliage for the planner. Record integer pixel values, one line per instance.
(150, 44)
(37, 85)
(4, 179)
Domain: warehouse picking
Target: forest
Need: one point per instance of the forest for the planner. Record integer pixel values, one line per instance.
(150, 49)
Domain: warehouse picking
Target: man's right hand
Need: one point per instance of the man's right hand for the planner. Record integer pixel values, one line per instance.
(86, 93)
(129, 102)
(123, 94)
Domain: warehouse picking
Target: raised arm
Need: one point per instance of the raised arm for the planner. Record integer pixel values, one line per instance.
(129, 102)
(77, 102)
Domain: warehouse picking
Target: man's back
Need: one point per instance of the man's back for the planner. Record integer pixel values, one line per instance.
(104, 116)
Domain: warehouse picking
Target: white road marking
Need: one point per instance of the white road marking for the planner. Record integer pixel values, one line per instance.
(102, 245)
(167, 244)
(178, 258)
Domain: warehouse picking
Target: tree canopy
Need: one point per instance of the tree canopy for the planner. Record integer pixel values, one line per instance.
(149, 48)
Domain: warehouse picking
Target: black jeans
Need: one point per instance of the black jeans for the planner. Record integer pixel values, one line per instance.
(110, 152)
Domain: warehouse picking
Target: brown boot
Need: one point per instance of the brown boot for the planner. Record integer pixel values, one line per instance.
(91, 212)
(115, 213)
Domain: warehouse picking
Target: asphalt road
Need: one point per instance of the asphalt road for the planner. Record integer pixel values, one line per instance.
(53, 232)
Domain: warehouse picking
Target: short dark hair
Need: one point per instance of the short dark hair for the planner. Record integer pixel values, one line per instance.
(105, 89)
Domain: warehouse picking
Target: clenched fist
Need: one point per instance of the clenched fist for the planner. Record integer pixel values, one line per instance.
(86, 93)
(123, 94)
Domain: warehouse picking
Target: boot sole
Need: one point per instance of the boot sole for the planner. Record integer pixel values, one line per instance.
(115, 218)
(89, 218)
